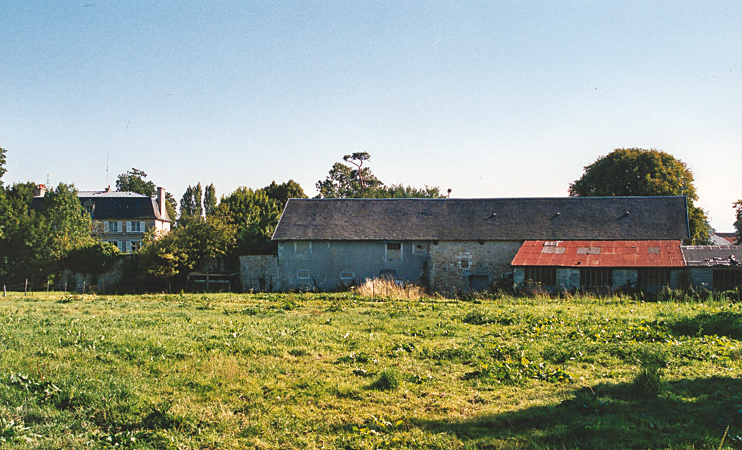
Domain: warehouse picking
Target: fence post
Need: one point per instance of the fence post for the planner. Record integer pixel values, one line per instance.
(65, 287)
(83, 286)
(5, 293)
(47, 287)
(25, 288)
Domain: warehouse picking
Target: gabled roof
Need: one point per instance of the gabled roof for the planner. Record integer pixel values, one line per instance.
(600, 254)
(564, 218)
(723, 238)
(712, 255)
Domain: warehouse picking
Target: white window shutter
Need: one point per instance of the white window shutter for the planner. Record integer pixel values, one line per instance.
(105, 227)
(141, 227)
(128, 246)
(128, 227)
(120, 228)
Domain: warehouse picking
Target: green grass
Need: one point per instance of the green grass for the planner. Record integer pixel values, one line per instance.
(338, 371)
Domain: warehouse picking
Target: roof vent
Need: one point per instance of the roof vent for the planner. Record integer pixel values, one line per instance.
(491, 216)
(555, 216)
(626, 214)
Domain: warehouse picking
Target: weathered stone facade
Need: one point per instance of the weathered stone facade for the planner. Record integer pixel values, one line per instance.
(457, 267)
(259, 273)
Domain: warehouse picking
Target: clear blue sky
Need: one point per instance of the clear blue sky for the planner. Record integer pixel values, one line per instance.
(490, 99)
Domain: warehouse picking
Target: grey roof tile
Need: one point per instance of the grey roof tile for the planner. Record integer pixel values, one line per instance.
(569, 218)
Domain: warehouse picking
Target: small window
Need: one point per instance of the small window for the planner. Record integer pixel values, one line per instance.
(90, 208)
(464, 260)
(653, 250)
(113, 227)
(420, 248)
(136, 227)
(303, 274)
(136, 245)
(139, 205)
(588, 250)
(303, 247)
(393, 251)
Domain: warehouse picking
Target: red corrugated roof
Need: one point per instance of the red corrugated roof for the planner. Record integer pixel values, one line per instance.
(600, 254)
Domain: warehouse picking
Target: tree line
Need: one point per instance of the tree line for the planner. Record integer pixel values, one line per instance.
(39, 243)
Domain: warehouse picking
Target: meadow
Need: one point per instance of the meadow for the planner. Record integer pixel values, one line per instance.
(269, 371)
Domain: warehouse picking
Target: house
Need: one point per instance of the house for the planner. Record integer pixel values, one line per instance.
(718, 238)
(121, 218)
(717, 267)
(452, 245)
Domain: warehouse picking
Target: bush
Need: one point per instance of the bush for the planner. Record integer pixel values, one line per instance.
(388, 380)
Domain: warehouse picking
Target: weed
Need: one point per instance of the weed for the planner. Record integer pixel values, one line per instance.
(388, 380)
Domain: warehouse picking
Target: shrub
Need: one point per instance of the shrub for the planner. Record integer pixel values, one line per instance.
(648, 381)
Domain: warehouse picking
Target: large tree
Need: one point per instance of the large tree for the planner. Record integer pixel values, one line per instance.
(135, 181)
(353, 180)
(640, 172)
(190, 203)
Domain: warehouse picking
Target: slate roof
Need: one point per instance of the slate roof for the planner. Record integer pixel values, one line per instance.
(563, 218)
(651, 253)
(723, 238)
(114, 205)
(712, 255)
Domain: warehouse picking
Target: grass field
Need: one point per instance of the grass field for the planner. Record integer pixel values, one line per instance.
(338, 371)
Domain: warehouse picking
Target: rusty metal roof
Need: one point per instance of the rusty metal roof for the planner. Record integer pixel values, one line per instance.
(712, 255)
(650, 253)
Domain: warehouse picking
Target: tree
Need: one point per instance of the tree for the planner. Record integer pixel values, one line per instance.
(135, 181)
(738, 222)
(190, 203)
(255, 216)
(210, 200)
(346, 181)
(640, 172)
(284, 191)
(2, 163)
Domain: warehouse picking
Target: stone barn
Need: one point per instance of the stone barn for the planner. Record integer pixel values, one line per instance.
(451, 246)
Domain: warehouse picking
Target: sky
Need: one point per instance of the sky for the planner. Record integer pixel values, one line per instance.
(487, 98)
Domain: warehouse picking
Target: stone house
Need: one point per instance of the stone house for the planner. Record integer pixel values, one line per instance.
(451, 246)
(120, 218)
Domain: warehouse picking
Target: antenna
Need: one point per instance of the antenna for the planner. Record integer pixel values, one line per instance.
(107, 169)
(47, 179)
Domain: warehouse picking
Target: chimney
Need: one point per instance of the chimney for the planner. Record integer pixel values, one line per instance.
(161, 199)
(40, 190)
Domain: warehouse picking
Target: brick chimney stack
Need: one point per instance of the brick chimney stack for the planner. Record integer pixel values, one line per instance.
(40, 190)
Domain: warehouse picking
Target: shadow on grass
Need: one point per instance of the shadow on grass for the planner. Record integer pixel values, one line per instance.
(688, 414)
(725, 323)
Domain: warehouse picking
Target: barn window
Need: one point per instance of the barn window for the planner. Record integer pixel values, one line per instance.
(347, 275)
(303, 247)
(596, 277)
(393, 251)
(544, 275)
(464, 260)
(653, 277)
(420, 248)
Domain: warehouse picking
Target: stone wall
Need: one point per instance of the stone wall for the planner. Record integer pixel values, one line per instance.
(455, 265)
(87, 283)
(259, 273)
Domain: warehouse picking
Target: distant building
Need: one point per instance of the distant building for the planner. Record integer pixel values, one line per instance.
(121, 218)
(717, 267)
(718, 238)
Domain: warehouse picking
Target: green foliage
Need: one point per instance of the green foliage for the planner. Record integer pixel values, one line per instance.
(281, 193)
(34, 242)
(738, 221)
(648, 381)
(640, 172)
(135, 181)
(2, 163)
(94, 257)
(388, 380)
(210, 200)
(188, 246)
(190, 203)
(356, 181)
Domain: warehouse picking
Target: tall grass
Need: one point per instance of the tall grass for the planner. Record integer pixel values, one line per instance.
(389, 289)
